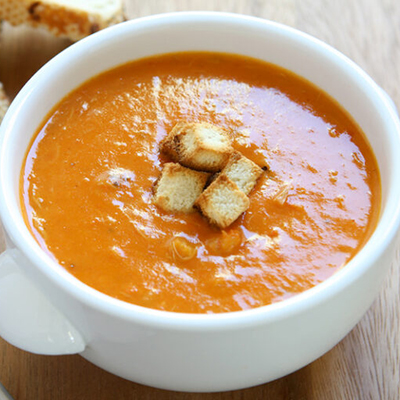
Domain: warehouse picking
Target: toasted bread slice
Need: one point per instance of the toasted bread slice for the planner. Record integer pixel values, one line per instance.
(74, 19)
(201, 146)
(4, 102)
(242, 171)
(222, 202)
(178, 188)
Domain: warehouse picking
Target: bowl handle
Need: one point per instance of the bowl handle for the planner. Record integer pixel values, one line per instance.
(28, 320)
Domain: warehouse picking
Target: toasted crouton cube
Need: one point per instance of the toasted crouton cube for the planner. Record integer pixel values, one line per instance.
(242, 171)
(222, 202)
(201, 146)
(178, 188)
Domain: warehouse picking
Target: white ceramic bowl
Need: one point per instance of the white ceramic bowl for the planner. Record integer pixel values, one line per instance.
(60, 315)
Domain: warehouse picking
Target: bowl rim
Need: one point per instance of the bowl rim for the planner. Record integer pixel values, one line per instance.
(355, 268)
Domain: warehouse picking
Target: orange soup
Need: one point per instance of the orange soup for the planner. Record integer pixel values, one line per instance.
(309, 214)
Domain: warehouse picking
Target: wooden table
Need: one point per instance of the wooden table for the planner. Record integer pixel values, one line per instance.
(365, 365)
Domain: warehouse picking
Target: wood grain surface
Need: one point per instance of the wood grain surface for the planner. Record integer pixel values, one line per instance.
(365, 365)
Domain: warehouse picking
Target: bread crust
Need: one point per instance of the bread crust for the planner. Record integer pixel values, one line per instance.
(170, 144)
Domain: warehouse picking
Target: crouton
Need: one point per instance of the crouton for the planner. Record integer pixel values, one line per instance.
(201, 146)
(242, 171)
(4, 102)
(178, 188)
(170, 144)
(222, 202)
(74, 19)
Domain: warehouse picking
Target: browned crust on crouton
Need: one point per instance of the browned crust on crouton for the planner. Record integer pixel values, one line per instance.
(170, 144)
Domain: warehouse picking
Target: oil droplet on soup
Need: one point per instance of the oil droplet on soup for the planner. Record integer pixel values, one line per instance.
(88, 178)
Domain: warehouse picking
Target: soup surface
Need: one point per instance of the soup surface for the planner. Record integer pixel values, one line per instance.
(309, 213)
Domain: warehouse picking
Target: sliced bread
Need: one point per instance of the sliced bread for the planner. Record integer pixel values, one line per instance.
(74, 19)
